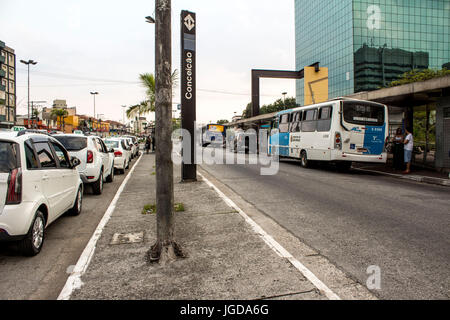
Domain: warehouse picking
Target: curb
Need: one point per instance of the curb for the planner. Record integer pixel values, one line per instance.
(429, 180)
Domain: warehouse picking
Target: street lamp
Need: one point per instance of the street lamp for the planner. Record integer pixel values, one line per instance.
(150, 19)
(28, 66)
(94, 94)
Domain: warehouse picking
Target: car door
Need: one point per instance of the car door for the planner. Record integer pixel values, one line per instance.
(51, 179)
(69, 177)
(109, 158)
(103, 151)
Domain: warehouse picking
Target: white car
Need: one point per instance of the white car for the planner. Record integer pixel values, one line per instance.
(135, 142)
(134, 148)
(97, 161)
(128, 147)
(121, 153)
(38, 183)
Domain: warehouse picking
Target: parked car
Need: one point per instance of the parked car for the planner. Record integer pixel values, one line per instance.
(97, 161)
(38, 183)
(121, 153)
(135, 141)
(129, 147)
(134, 146)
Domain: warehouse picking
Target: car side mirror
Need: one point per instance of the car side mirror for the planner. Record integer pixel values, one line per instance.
(75, 162)
(111, 150)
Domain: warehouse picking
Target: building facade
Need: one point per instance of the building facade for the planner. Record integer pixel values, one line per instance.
(368, 44)
(7, 86)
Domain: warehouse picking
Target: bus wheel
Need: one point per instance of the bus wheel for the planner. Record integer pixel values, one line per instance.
(304, 159)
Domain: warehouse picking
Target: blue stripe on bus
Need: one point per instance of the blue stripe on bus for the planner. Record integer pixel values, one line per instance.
(374, 139)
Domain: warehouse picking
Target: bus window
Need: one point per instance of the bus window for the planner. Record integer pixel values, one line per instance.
(309, 120)
(324, 122)
(284, 123)
(295, 126)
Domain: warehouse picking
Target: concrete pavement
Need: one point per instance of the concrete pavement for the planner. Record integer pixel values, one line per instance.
(226, 258)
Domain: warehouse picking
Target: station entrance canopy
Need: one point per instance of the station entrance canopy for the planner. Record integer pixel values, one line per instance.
(316, 83)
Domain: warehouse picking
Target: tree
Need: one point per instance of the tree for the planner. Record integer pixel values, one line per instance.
(60, 113)
(222, 122)
(279, 105)
(165, 249)
(148, 82)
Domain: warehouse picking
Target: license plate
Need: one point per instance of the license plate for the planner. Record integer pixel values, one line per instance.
(361, 150)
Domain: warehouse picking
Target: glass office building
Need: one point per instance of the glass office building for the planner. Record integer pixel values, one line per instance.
(368, 44)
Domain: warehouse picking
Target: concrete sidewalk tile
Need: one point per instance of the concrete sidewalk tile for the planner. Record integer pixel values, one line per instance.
(225, 258)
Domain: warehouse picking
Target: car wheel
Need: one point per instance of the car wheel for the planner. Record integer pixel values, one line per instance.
(111, 176)
(76, 210)
(97, 186)
(31, 245)
(304, 160)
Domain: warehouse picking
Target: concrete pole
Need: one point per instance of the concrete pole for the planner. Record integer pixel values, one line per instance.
(165, 248)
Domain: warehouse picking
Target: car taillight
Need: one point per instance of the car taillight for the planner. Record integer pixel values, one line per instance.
(14, 195)
(90, 156)
(117, 154)
(337, 141)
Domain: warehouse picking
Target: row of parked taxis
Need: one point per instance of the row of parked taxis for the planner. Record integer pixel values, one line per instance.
(44, 176)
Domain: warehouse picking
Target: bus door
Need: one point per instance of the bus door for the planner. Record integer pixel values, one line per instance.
(366, 127)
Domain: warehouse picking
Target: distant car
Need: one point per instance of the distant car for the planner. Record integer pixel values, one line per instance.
(38, 183)
(121, 153)
(135, 143)
(130, 145)
(97, 161)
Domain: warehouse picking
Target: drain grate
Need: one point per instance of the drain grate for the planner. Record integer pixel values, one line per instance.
(127, 238)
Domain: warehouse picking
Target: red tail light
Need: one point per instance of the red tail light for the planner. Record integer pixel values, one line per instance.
(90, 156)
(14, 195)
(117, 153)
(337, 141)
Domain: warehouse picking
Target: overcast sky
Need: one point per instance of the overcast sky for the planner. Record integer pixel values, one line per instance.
(103, 46)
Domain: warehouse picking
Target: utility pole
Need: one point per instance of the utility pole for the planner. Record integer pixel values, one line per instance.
(28, 65)
(165, 249)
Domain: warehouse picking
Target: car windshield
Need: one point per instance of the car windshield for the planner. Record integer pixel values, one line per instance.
(8, 156)
(112, 144)
(72, 143)
(363, 113)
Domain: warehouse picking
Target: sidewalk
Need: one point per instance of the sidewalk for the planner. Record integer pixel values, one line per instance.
(226, 259)
(417, 174)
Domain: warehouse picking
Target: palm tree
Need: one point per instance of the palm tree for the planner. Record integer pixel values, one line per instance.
(61, 113)
(148, 82)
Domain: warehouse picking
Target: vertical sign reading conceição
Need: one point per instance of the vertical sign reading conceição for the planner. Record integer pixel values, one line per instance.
(188, 88)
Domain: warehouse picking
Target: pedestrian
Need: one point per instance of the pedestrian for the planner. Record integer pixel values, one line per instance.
(148, 143)
(408, 147)
(398, 150)
(153, 142)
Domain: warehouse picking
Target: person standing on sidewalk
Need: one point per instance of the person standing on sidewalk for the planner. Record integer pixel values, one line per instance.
(409, 145)
(398, 150)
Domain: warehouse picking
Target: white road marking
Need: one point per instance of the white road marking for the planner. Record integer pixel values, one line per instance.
(74, 281)
(275, 246)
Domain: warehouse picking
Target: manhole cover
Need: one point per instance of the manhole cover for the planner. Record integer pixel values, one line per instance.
(125, 238)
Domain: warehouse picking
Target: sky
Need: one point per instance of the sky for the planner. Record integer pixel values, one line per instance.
(103, 45)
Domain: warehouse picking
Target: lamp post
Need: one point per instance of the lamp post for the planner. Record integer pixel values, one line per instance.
(28, 66)
(94, 94)
(284, 97)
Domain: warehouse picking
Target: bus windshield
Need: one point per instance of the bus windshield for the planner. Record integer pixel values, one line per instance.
(367, 114)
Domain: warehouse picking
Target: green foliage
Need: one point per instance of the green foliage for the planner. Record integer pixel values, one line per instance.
(151, 208)
(419, 75)
(277, 106)
(222, 121)
(420, 125)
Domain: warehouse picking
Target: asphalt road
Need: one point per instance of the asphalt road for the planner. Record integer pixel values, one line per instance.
(358, 220)
(42, 277)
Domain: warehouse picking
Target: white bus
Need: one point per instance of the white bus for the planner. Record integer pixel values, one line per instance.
(340, 131)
